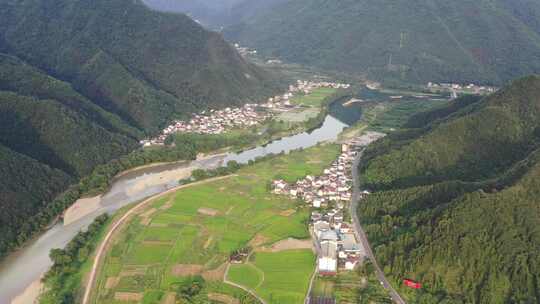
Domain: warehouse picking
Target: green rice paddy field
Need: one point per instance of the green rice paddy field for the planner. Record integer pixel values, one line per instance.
(193, 231)
(315, 99)
(280, 277)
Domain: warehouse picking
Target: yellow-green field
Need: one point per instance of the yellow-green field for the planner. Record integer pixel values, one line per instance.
(315, 99)
(279, 277)
(193, 232)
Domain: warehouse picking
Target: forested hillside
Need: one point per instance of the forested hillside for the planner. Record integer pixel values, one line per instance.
(412, 41)
(140, 64)
(82, 81)
(456, 206)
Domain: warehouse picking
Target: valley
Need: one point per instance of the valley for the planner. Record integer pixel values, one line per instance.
(201, 239)
(30, 263)
(269, 152)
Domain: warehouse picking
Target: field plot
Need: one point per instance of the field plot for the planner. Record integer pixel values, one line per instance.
(356, 287)
(298, 115)
(158, 253)
(281, 277)
(286, 275)
(398, 113)
(247, 275)
(314, 99)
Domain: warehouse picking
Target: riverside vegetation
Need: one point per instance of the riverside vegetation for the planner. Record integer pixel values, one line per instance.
(64, 275)
(456, 204)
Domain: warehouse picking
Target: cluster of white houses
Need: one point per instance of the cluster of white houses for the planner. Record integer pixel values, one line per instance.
(335, 239)
(213, 122)
(454, 87)
(244, 51)
(333, 186)
(301, 87)
(219, 121)
(337, 245)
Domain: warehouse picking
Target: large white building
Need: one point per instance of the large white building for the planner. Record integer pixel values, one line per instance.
(328, 258)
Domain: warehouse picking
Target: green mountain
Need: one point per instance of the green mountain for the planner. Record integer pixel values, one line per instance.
(140, 64)
(456, 205)
(82, 81)
(413, 41)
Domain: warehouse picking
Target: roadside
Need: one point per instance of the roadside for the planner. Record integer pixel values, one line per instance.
(361, 235)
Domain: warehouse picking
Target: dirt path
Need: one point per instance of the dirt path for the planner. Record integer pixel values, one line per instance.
(251, 292)
(102, 248)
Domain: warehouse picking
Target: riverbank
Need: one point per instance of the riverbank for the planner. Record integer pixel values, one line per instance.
(30, 294)
(86, 206)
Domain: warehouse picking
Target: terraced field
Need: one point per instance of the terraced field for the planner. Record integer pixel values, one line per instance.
(190, 234)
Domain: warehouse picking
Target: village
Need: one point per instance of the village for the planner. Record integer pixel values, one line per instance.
(458, 88)
(221, 121)
(334, 237)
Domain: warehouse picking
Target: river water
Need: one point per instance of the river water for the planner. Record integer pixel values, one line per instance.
(27, 265)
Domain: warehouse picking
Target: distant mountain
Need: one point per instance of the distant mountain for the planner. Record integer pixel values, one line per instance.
(82, 81)
(210, 13)
(412, 41)
(457, 204)
(214, 14)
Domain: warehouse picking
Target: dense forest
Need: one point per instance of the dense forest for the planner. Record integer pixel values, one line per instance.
(456, 203)
(436, 40)
(143, 65)
(82, 81)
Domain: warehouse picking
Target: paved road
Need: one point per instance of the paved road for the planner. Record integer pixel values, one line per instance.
(361, 235)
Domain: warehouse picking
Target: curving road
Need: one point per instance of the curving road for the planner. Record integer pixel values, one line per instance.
(361, 235)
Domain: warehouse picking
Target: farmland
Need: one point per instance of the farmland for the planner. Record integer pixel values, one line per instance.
(360, 286)
(315, 99)
(396, 114)
(277, 277)
(189, 235)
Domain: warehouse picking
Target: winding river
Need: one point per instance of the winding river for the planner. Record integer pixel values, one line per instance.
(27, 265)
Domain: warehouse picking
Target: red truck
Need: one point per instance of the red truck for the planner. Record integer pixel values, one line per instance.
(412, 284)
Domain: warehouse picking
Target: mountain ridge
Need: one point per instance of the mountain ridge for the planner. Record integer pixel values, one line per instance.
(466, 227)
(460, 41)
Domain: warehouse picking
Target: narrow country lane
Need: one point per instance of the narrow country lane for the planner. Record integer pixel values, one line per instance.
(361, 235)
